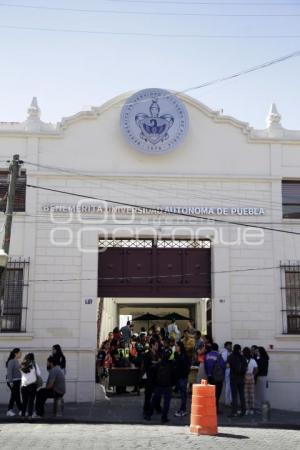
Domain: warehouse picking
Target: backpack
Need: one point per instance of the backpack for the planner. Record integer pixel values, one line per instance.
(218, 371)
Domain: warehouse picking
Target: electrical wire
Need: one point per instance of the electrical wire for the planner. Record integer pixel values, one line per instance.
(189, 2)
(166, 189)
(150, 277)
(126, 204)
(152, 35)
(143, 13)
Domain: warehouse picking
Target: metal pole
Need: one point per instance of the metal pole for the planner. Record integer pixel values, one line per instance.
(14, 174)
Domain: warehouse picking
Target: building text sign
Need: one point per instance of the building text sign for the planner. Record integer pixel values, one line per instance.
(94, 208)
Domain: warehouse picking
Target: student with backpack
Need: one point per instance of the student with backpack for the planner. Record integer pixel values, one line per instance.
(238, 367)
(215, 371)
(164, 380)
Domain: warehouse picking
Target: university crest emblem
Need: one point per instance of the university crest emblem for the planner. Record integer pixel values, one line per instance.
(154, 121)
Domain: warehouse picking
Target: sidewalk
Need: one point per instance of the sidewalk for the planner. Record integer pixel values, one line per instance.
(127, 409)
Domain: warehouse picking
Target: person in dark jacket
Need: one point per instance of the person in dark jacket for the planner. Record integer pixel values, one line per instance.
(238, 367)
(211, 358)
(261, 381)
(150, 361)
(182, 370)
(164, 380)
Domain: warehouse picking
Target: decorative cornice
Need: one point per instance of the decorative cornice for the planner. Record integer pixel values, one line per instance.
(33, 126)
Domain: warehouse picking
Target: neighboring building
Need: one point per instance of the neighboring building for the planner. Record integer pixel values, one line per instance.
(153, 260)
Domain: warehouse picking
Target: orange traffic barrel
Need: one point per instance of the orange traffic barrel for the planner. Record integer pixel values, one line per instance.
(203, 412)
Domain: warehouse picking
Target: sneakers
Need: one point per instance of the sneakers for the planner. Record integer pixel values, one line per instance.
(35, 416)
(10, 413)
(180, 414)
(251, 412)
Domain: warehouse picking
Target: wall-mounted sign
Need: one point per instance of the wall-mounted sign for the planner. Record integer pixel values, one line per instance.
(90, 208)
(154, 121)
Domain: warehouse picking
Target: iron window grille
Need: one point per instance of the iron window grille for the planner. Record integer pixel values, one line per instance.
(20, 195)
(13, 306)
(290, 290)
(291, 199)
(150, 243)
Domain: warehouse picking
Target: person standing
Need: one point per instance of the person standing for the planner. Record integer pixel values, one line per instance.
(30, 372)
(164, 381)
(215, 371)
(55, 387)
(261, 377)
(225, 354)
(150, 361)
(249, 380)
(13, 378)
(58, 353)
(238, 367)
(173, 331)
(126, 332)
(182, 368)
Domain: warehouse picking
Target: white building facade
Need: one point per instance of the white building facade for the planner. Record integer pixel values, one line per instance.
(226, 190)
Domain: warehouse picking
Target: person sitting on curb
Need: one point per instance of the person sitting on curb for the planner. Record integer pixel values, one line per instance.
(55, 387)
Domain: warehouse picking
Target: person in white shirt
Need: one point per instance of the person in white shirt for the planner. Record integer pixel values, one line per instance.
(29, 383)
(225, 353)
(173, 331)
(249, 381)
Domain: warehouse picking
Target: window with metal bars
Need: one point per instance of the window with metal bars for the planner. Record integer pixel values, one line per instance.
(13, 306)
(291, 199)
(20, 196)
(159, 243)
(290, 288)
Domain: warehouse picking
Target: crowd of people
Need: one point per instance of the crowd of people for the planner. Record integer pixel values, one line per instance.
(25, 382)
(165, 357)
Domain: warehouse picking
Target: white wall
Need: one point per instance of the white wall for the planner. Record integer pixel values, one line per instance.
(222, 163)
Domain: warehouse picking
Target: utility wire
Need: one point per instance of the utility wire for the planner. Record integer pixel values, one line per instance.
(149, 277)
(248, 225)
(207, 194)
(143, 13)
(189, 2)
(159, 35)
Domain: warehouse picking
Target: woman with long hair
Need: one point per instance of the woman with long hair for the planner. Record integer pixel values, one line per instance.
(249, 380)
(58, 353)
(13, 378)
(261, 377)
(182, 367)
(30, 372)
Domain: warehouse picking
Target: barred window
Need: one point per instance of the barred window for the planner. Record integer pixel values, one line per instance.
(20, 195)
(291, 298)
(13, 306)
(291, 199)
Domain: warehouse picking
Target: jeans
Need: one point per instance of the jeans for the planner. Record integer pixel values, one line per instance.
(15, 395)
(166, 393)
(219, 387)
(28, 396)
(41, 398)
(182, 386)
(237, 389)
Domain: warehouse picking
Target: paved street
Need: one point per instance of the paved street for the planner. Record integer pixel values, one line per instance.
(75, 436)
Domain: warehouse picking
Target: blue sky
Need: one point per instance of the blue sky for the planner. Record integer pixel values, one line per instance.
(68, 71)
